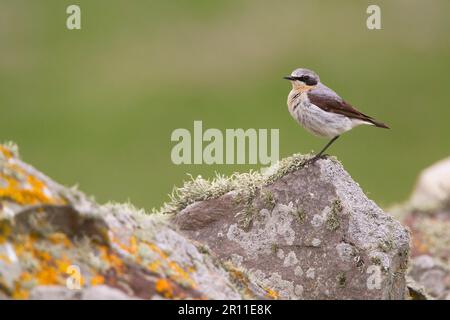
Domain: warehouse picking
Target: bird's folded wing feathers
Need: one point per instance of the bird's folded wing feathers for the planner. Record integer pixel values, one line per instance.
(329, 101)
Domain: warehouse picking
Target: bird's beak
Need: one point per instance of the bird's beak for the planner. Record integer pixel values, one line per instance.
(290, 78)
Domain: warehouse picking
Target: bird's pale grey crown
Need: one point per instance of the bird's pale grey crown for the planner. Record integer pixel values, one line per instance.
(307, 76)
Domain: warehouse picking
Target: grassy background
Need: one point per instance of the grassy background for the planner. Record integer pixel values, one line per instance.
(97, 106)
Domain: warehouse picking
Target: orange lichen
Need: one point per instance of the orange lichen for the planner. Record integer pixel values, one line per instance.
(7, 153)
(49, 267)
(47, 276)
(59, 238)
(191, 269)
(19, 293)
(5, 258)
(97, 280)
(131, 248)
(43, 256)
(180, 274)
(241, 279)
(25, 277)
(133, 245)
(47, 270)
(420, 246)
(50, 270)
(25, 244)
(270, 293)
(115, 261)
(25, 189)
(164, 287)
(112, 259)
(154, 266)
(176, 272)
(5, 231)
(63, 264)
(156, 249)
(239, 276)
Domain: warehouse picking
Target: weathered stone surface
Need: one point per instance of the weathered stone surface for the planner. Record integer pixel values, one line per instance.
(432, 190)
(296, 232)
(432, 275)
(415, 291)
(49, 232)
(427, 214)
(431, 235)
(99, 292)
(300, 232)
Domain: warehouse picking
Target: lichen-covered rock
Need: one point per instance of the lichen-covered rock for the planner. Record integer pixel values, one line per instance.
(57, 243)
(415, 291)
(98, 292)
(432, 275)
(430, 235)
(427, 214)
(297, 232)
(432, 190)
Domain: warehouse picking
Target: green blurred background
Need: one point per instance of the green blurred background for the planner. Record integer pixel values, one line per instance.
(96, 107)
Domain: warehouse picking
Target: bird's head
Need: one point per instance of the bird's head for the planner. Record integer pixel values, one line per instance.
(303, 79)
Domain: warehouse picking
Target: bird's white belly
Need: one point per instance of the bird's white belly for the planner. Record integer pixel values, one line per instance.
(321, 123)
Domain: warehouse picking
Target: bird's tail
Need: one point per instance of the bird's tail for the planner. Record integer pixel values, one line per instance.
(378, 124)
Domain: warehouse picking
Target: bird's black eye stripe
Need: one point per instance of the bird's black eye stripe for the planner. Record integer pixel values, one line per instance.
(308, 80)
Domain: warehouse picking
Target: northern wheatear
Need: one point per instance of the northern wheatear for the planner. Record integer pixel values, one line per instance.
(320, 110)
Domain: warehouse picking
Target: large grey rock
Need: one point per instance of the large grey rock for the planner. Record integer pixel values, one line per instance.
(298, 232)
(57, 243)
(432, 190)
(432, 275)
(295, 232)
(427, 214)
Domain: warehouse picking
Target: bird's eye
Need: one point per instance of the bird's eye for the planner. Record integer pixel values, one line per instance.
(308, 80)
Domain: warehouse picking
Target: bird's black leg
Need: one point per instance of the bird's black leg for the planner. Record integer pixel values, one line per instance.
(317, 156)
(326, 147)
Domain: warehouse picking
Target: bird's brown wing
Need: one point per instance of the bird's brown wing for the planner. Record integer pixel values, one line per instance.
(333, 103)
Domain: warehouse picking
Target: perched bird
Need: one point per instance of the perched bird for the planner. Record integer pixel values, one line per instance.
(322, 111)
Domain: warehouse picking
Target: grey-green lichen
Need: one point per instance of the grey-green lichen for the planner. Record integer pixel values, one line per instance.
(333, 223)
(203, 249)
(245, 184)
(341, 279)
(376, 261)
(200, 189)
(274, 248)
(435, 236)
(247, 214)
(269, 199)
(386, 245)
(286, 166)
(300, 215)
